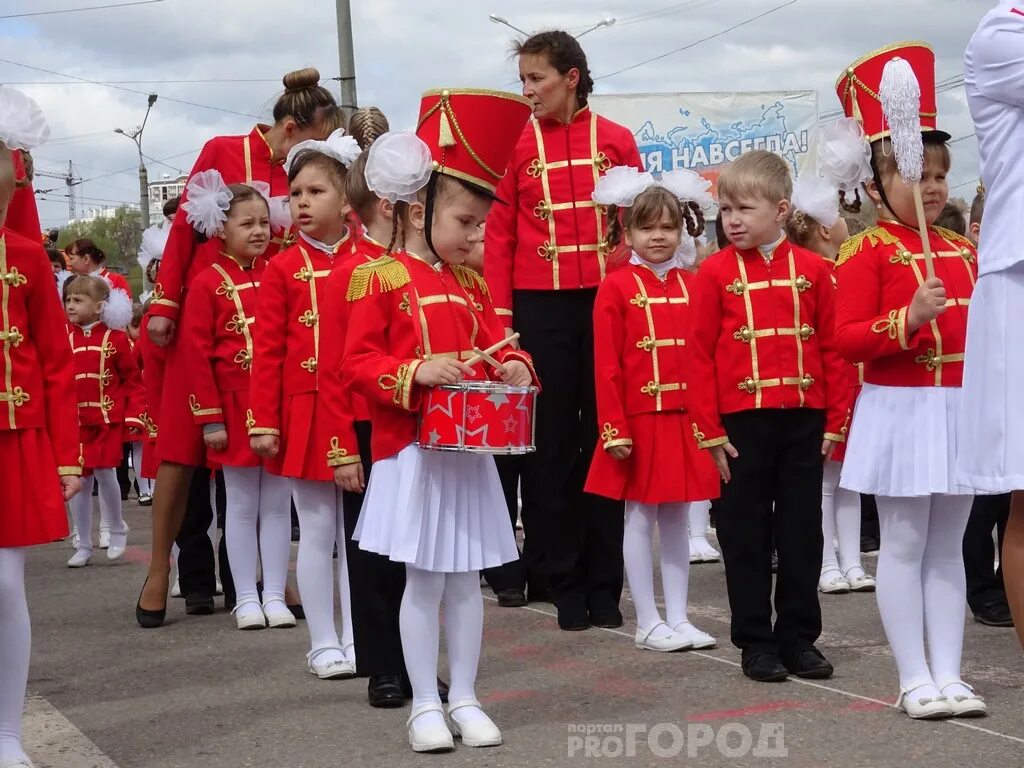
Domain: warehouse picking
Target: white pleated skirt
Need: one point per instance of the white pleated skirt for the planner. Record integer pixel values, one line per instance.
(903, 442)
(991, 428)
(438, 511)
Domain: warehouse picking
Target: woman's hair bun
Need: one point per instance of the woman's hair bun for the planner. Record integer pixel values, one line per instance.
(301, 78)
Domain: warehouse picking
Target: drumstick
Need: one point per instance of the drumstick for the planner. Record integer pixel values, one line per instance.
(479, 354)
(488, 359)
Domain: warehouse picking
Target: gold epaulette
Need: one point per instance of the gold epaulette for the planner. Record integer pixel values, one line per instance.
(470, 279)
(872, 236)
(952, 236)
(389, 271)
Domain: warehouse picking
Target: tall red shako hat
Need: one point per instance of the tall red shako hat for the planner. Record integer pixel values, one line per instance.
(858, 88)
(472, 132)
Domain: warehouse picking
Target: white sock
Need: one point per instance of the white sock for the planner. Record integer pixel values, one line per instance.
(463, 630)
(829, 489)
(15, 650)
(145, 483)
(699, 517)
(319, 511)
(900, 591)
(419, 622)
(945, 588)
(81, 513)
(637, 542)
(673, 521)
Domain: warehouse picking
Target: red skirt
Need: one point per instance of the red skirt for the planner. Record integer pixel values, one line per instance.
(238, 453)
(179, 439)
(305, 440)
(33, 503)
(102, 445)
(665, 466)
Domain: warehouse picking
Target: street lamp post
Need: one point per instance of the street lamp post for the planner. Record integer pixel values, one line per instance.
(605, 22)
(136, 136)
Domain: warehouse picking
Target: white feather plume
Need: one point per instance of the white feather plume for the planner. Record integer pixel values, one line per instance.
(900, 94)
(117, 310)
(154, 240)
(816, 198)
(688, 186)
(844, 155)
(621, 186)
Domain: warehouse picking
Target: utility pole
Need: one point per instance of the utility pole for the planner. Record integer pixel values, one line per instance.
(136, 136)
(70, 181)
(346, 58)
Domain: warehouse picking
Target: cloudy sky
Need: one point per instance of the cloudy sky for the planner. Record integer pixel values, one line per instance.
(238, 50)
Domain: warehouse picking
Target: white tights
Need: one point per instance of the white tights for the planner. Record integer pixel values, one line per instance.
(922, 588)
(699, 517)
(419, 621)
(256, 496)
(322, 523)
(15, 648)
(672, 521)
(145, 483)
(110, 505)
(840, 518)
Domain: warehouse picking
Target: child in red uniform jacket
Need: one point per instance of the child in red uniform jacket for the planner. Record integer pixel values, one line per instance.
(290, 427)
(38, 430)
(641, 327)
(217, 329)
(109, 390)
(910, 331)
(769, 399)
(414, 320)
(815, 224)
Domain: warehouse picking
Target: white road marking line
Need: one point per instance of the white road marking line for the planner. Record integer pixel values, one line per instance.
(53, 741)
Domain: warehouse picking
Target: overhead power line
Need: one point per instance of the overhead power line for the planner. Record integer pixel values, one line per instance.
(78, 10)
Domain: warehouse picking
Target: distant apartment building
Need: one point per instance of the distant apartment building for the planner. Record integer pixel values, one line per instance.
(160, 192)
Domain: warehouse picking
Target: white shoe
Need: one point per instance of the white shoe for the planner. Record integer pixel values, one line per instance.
(671, 642)
(963, 705)
(250, 620)
(859, 582)
(80, 559)
(429, 738)
(698, 639)
(74, 538)
(117, 543)
(278, 615)
(339, 669)
(833, 585)
(104, 537)
(478, 733)
(176, 587)
(701, 551)
(928, 708)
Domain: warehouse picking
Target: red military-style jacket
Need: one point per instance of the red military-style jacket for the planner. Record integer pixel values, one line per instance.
(22, 214)
(116, 281)
(239, 159)
(217, 330)
(107, 378)
(551, 235)
(342, 406)
(405, 311)
(641, 323)
(879, 271)
(37, 362)
(150, 360)
(764, 337)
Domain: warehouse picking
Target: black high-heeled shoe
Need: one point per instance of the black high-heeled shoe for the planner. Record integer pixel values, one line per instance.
(149, 619)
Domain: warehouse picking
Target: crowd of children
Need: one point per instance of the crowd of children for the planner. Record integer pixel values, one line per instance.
(322, 285)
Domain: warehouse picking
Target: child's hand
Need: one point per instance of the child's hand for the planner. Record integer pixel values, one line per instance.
(216, 441)
(929, 302)
(265, 446)
(721, 454)
(442, 370)
(161, 330)
(70, 485)
(516, 374)
(620, 452)
(827, 449)
(350, 477)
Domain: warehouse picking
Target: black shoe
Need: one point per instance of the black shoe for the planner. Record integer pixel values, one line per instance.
(385, 691)
(199, 604)
(297, 611)
(869, 544)
(994, 615)
(511, 598)
(809, 664)
(149, 619)
(573, 616)
(538, 595)
(764, 668)
(442, 689)
(606, 618)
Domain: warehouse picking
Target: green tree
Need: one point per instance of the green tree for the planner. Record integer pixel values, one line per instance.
(119, 237)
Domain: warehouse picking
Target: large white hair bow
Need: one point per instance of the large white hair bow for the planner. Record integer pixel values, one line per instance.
(342, 148)
(398, 166)
(623, 184)
(817, 198)
(844, 155)
(22, 125)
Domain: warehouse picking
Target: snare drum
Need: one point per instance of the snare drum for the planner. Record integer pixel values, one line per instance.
(478, 417)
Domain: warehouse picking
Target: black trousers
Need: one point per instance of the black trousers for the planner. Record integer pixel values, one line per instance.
(573, 539)
(513, 575)
(985, 585)
(775, 492)
(196, 565)
(376, 585)
(123, 477)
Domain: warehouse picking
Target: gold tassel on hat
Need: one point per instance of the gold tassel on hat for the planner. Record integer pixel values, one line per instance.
(446, 137)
